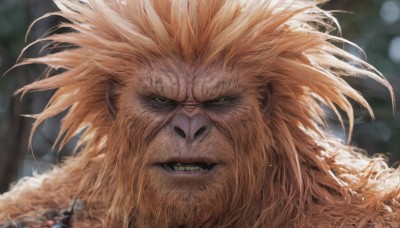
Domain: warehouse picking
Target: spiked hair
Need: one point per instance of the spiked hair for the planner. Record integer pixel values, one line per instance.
(280, 40)
(286, 42)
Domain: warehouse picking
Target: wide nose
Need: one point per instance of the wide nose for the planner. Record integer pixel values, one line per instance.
(190, 128)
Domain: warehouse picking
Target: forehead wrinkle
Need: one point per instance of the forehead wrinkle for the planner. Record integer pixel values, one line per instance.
(218, 87)
(215, 80)
(167, 80)
(182, 75)
(161, 82)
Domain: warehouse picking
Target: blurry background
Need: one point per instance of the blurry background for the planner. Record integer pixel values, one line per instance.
(374, 25)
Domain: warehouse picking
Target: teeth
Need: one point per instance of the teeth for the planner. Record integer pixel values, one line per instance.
(186, 167)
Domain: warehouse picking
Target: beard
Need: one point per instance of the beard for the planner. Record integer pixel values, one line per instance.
(169, 203)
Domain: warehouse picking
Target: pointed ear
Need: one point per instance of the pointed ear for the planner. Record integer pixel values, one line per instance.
(111, 98)
(267, 100)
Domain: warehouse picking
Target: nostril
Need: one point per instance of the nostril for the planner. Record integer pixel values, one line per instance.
(190, 128)
(180, 132)
(200, 132)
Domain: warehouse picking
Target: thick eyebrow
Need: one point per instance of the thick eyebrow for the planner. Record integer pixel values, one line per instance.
(162, 83)
(221, 87)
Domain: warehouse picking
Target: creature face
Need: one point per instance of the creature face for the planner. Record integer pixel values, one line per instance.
(206, 113)
(192, 134)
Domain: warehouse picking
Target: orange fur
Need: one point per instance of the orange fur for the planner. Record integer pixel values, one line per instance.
(288, 173)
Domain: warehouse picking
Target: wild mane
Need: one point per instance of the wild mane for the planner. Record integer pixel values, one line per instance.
(233, 90)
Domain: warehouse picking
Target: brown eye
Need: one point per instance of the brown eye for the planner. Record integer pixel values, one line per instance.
(158, 103)
(223, 101)
(162, 103)
(162, 100)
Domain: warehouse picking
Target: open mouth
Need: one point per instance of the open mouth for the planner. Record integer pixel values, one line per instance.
(188, 167)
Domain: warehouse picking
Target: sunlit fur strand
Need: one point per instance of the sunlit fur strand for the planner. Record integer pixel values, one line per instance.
(307, 178)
